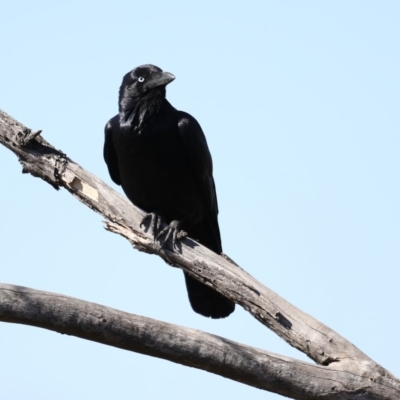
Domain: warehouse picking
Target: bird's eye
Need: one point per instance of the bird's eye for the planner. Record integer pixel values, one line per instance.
(141, 79)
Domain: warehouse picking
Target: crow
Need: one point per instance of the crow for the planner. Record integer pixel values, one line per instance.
(160, 157)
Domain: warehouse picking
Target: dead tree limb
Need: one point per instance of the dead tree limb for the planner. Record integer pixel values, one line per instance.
(175, 343)
(333, 353)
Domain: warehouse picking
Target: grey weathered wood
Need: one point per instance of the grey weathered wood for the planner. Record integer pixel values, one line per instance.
(186, 346)
(300, 330)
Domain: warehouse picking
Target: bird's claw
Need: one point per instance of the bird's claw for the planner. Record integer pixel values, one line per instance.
(171, 233)
(153, 226)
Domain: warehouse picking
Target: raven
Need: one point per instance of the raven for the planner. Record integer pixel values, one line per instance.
(160, 157)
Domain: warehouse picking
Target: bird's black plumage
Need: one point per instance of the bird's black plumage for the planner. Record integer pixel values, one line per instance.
(160, 157)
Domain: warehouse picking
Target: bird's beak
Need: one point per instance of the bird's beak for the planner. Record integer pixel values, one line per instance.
(163, 80)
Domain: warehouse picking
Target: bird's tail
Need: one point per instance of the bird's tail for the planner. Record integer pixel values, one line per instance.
(203, 299)
(206, 301)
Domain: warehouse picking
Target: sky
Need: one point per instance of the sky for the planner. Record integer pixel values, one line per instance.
(299, 102)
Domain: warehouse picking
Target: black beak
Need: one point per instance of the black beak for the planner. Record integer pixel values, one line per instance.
(162, 80)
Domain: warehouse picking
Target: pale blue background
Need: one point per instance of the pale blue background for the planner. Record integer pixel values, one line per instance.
(299, 101)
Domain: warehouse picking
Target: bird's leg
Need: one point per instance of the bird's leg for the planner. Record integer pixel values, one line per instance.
(154, 225)
(152, 222)
(171, 233)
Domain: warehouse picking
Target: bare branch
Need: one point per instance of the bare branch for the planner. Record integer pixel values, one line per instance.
(181, 345)
(300, 330)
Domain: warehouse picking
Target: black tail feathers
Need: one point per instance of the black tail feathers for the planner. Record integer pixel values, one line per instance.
(207, 301)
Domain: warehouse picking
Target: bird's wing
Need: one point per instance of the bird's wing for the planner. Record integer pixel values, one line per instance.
(207, 232)
(110, 155)
(200, 158)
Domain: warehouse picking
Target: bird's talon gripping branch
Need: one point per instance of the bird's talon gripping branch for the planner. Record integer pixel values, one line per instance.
(171, 233)
(153, 221)
(181, 235)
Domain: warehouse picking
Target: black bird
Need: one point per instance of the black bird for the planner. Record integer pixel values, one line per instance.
(160, 157)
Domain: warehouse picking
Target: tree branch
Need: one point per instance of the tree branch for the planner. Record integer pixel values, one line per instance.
(300, 330)
(181, 345)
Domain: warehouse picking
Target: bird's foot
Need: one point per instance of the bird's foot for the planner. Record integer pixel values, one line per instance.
(171, 233)
(152, 222)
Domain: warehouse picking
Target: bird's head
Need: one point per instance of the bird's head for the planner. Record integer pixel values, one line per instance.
(144, 83)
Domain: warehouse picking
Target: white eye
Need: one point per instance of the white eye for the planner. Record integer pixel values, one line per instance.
(141, 79)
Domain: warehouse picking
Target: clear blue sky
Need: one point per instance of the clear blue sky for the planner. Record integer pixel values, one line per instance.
(300, 105)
